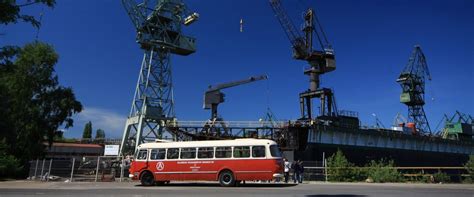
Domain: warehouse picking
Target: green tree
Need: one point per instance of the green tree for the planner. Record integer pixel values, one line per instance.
(99, 134)
(87, 133)
(9, 165)
(340, 169)
(10, 11)
(383, 171)
(470, 168)
(33, 103)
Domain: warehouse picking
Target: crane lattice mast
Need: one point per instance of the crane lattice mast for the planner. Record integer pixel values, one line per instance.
(412, 80)
(158, 25)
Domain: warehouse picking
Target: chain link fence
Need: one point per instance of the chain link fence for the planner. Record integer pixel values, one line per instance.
(98, 169)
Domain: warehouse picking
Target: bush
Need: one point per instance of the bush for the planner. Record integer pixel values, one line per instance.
(340, 169)
(470, 167)
(9, 166)
(441, 177)
(467, 180)
(383, 171)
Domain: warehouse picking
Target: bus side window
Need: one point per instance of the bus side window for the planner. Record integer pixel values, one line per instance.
(205, 152)
(258, 151)
(188, 153)
(157, 154)
(241, 151)
(142, 154)
(223, 152)
(173, 153)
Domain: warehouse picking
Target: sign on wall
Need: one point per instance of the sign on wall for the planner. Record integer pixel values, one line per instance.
(111, 150)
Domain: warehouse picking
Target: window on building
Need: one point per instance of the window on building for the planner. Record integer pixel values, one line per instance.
(205, 152)
(241, 151)
(223, 152)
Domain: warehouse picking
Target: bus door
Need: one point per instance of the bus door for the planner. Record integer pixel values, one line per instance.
(157, 163)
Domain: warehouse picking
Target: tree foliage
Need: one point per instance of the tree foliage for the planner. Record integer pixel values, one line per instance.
(33, 104)
(441, 177)
(10, 11)
(340, 169)
(383, 171)
(9, 165)
(470, 168)
(87, 133)
(99, 134)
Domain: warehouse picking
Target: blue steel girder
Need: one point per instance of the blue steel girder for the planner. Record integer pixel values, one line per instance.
(388, 140)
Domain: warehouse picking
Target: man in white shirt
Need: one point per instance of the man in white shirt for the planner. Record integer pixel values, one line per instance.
(287, 169)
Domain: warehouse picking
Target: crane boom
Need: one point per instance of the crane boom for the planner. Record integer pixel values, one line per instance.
(321, 60)
(236, 83)
(213, 96)
(293, 35)
(135, 12)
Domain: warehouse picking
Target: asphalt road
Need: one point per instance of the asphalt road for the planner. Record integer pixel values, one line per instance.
(24, 188)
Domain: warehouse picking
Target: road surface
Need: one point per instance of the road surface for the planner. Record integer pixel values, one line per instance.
(89, 189)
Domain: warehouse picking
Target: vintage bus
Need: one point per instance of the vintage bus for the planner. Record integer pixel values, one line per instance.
(226, 161)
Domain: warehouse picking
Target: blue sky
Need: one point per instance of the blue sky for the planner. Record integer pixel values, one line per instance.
(372, 39)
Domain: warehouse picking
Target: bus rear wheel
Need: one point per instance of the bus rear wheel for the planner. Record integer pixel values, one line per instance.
(227, 179)
(147, 179)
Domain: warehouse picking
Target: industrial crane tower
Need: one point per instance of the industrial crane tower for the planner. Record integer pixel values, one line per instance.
(158, 25)
(320, 60)
(412, 81)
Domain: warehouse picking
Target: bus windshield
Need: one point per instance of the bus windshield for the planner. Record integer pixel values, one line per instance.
(275, 151)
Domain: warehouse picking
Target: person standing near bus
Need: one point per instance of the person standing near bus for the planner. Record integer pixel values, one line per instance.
(300, 179)
(287, 169)
(295, 166)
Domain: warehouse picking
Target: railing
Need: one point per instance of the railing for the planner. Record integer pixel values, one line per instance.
(235, 124)
(320, 173)
(102, 168)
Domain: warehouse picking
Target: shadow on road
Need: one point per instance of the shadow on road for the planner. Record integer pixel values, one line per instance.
(335, 195)
(177, 184)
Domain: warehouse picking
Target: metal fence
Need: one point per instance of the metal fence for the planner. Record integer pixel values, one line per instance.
(318, 171)
(113, 168)
(102, 168)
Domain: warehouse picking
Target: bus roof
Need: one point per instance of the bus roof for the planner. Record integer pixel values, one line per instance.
(206, 143)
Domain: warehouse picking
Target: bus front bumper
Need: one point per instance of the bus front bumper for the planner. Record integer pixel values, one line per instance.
(133, 176)
(278, 175)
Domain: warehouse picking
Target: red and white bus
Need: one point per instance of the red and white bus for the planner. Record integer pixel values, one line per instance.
(227, 161)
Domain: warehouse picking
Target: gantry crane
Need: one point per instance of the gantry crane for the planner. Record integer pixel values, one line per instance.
(412, 81)
(213, 97)
(321, 60)
(158, 25)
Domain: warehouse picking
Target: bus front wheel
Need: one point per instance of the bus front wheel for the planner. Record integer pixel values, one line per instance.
(147, 179)
(226, 179)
